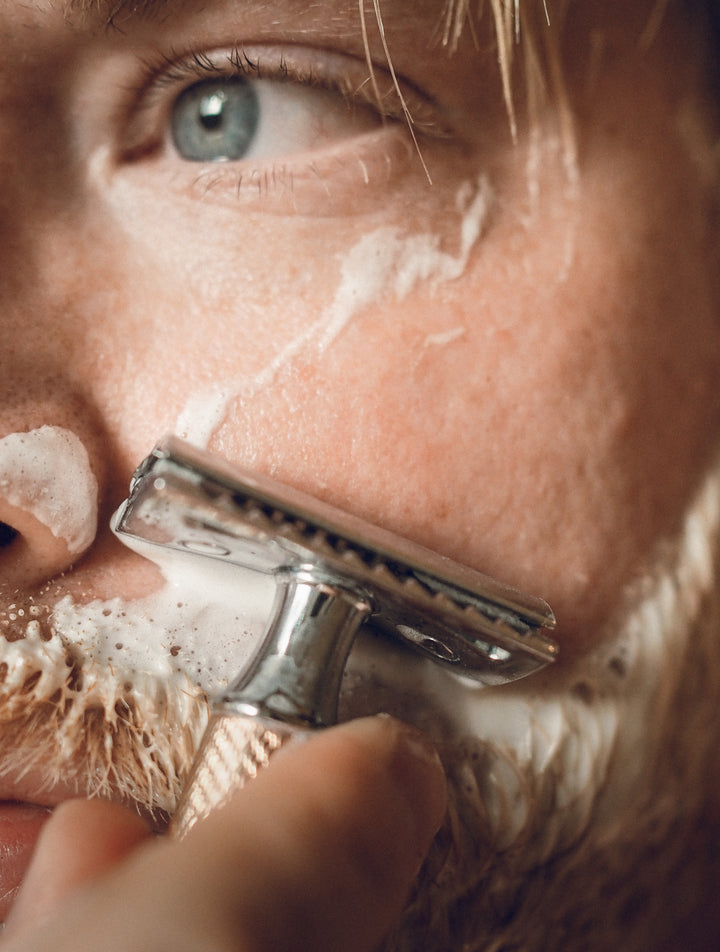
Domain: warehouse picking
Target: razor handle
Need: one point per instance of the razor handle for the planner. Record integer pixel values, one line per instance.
(234, 749)
(291, 687)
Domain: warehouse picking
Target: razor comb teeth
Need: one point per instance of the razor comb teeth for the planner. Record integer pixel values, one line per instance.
(333, 572)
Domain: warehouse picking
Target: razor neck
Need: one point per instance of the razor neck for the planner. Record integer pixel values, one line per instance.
(296, 674)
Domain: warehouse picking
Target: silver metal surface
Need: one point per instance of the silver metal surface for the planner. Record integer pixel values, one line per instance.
(188, 500)
(332, 572)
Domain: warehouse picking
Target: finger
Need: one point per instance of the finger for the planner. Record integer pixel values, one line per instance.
(82, 839)
(346, 829)
(317, 853)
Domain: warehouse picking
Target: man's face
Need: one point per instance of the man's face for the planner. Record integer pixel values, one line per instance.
(216, 220)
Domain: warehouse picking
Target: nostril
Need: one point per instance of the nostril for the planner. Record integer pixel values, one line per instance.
(48, 504)
(7, 534)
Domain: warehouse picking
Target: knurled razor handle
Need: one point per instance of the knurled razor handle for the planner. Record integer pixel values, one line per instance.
(234, 749)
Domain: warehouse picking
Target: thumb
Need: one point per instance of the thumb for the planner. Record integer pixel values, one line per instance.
(317, 853)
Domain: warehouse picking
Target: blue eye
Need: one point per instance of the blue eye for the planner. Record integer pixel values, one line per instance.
(215, 120)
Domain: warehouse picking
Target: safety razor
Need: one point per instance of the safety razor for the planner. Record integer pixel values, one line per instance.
(332, 572)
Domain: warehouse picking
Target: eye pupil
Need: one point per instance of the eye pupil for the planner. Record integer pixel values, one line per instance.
(215, 120)
(211, 111)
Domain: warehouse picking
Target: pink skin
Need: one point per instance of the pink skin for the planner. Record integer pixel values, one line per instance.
(554, 444)
(82, 841)
(20, 825)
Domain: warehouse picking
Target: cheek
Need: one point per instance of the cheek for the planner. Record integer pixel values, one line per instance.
(261, 293)
(539, 415)
(548, 429)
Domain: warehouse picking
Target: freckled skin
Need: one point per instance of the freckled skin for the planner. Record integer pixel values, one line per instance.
(555, 443)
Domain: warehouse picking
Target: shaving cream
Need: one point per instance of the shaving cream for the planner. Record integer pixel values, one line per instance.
(201, 626)
(385, 264)
(585, 744)
(46, 472)
(123, 684)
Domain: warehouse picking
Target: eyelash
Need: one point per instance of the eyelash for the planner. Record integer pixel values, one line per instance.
(201, 66)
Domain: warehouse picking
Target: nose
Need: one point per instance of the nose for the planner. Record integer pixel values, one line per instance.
(51, 466)
(48, 504)
(60, 465)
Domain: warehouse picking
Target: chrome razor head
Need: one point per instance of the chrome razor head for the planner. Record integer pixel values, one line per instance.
(190, 501)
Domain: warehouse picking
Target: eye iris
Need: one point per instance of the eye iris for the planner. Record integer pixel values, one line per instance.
(215, 120)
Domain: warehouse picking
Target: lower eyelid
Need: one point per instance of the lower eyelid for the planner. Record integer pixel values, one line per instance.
(353, 175)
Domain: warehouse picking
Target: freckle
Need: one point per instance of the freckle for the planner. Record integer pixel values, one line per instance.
(107, 612)
(118, 645)
(175, 651)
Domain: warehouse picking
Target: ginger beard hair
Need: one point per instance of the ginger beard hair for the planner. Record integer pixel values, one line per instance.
(581, 813)
(68, 721)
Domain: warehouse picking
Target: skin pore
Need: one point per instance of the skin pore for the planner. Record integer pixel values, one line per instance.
(545, 410)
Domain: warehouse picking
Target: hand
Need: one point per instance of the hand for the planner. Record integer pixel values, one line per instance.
(317, 853)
